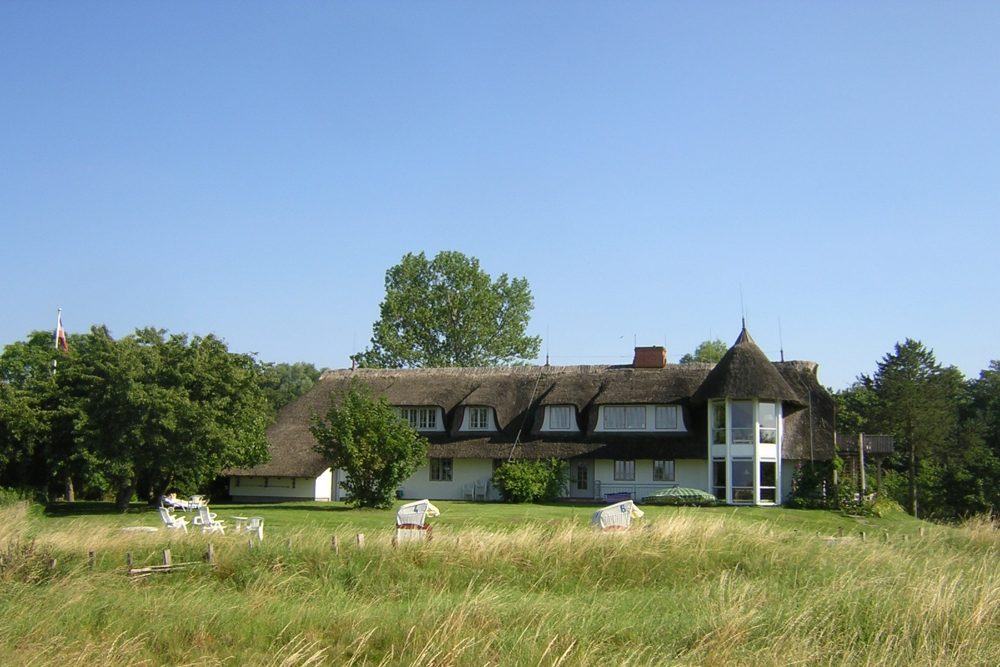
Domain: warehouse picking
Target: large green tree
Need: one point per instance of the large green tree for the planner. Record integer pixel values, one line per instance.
(132, 415)
(916, 401)
(283, 383)
(708, 351)
(449, 312)
(362, 435)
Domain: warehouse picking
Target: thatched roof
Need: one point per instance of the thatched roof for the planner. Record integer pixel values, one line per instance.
(518, 396)
(746, 372)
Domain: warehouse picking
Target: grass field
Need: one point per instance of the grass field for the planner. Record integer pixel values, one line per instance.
(501, 585)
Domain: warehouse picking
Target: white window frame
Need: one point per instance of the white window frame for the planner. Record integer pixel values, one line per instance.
(664, 470)
(666, 417)
(624, 470)
(479, 418)
(559, 417)
(442, 469)
(420, 419)
(624, 417)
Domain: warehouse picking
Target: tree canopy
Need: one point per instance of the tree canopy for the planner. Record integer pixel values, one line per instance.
(132, 415)
(449, 312)
(364, 436)
(708, 351)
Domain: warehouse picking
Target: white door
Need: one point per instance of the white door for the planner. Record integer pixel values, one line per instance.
(581, 479)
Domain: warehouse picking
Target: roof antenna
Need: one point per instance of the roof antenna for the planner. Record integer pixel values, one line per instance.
(743, 309)
(546, 344)
(781, 341)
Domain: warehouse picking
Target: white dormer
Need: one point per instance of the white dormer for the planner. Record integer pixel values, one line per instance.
(560, 418)
(640, 418)
(422, 419)
(478, 418)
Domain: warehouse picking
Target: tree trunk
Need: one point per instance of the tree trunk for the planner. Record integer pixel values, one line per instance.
(123, 496)
(913, 480)
(70, 493)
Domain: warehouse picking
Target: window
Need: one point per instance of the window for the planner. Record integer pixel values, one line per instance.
(441, 470)
(719, 478)
(663, 471)
(422, 419)
(743, 421)
(559, 417)
(582, 477)
(768, 475)
(743, 481)
(767, 415)
(625, 471)
(666, 417)
(719, 423)
(625, 417)
(479, 419)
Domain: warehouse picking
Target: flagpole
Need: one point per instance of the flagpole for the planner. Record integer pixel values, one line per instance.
(55, 339)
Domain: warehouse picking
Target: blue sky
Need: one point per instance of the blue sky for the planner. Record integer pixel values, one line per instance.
(252, 169)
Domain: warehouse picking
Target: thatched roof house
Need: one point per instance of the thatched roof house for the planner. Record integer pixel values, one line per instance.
(520, 400)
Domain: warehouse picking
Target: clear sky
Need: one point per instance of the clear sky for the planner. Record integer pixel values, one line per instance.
(251, 169)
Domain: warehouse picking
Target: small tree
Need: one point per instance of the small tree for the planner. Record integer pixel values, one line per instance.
(363, 436)
(530, 481)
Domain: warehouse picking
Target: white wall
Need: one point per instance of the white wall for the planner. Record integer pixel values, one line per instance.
(464, 471)
(282, 488)
(691, 473)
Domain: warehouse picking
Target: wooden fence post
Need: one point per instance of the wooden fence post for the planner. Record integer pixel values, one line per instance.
(167, 559)
(128, 561)
(335, 545)
(210, 554)
(91, 559)
(361, 539)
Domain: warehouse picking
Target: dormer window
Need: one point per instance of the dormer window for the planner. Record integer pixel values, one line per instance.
(560, 418)
(625, 418)
(421, 419)
(666, 418)
(478, 418)
(650, 418)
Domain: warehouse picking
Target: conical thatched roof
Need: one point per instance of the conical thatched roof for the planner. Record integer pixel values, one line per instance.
(746, 372)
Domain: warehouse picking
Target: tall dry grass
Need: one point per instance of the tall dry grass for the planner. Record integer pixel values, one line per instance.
(685, 590)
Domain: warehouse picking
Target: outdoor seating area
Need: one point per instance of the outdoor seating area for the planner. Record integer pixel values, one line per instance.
(207, 520)
(171, 501)
(411, 521)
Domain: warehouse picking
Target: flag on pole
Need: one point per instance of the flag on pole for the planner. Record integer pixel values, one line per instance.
(61, 342)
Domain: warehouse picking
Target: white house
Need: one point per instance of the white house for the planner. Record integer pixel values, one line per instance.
(736, 429)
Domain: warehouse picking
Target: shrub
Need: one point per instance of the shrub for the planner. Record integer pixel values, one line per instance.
(14, 496)
(530, 481)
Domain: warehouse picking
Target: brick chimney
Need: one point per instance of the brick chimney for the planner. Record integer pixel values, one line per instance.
(650, 357)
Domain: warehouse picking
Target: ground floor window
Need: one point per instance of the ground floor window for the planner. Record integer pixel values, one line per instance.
(625, 471)
(663, 470)
(742, 471)
(768, 477)
(719, 478)
(441, 470)
(582, 477)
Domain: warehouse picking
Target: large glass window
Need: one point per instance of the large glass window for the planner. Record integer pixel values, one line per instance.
(719, 423)
(767, 415)
(663, 471)
(625, 471)
(719, 478)
(666, 417)
(768, 477)
(743, 422)
(441, 470)
(742, 481)
(624, 417)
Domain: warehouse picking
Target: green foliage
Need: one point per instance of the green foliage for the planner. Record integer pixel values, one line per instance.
(449, 312)
(812, 486)
(283, 383)
(139, 413)
(530, 481)
(709, 352)
(363, 436)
